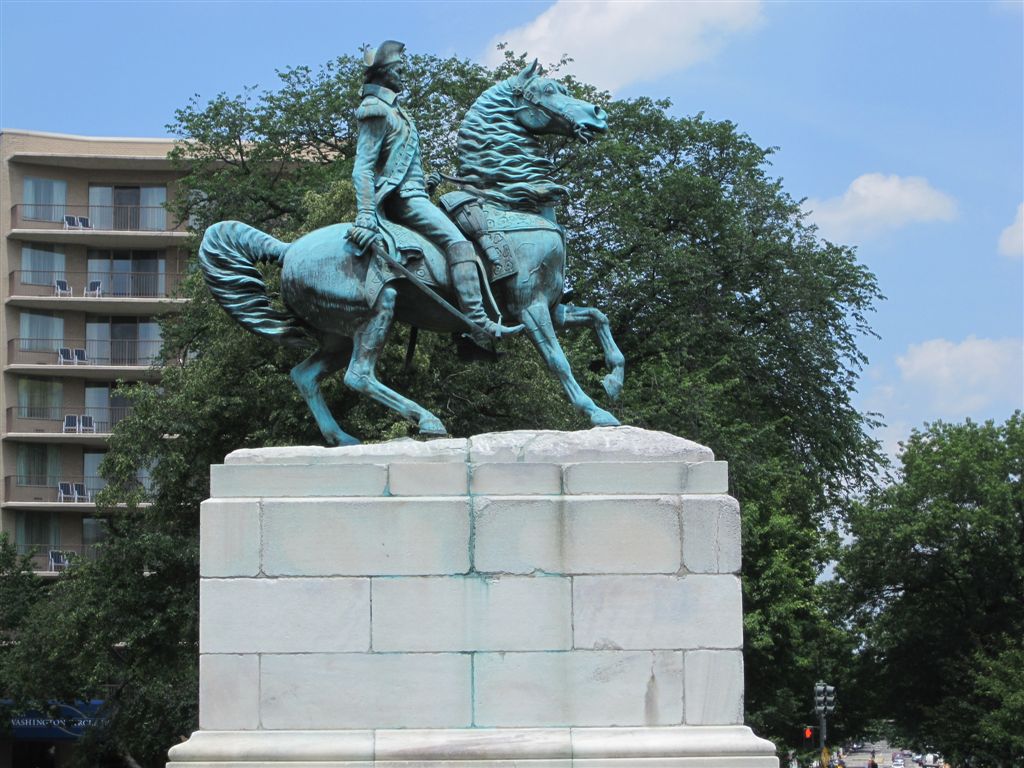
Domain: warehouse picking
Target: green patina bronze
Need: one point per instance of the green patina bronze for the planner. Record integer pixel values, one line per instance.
(408, 260)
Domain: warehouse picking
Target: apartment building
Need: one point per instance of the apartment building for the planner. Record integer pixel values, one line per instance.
(90, 257)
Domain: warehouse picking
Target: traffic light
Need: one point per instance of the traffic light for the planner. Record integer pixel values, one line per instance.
(819, 697)
(830, 698)
(808, 733)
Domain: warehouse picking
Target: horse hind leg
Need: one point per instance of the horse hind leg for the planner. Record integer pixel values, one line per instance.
(307, 376)
(568, 316)
(539, 327)
(361, 374)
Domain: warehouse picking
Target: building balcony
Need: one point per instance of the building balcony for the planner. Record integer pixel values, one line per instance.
(103, 292)
(85, 359)
(98, 225)
(72, 424)
(53, 558)
(57, 492)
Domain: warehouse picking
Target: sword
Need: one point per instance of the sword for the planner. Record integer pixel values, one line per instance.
(381, 250)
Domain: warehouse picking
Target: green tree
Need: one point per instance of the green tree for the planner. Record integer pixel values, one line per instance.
(738, 324)
(935, 582)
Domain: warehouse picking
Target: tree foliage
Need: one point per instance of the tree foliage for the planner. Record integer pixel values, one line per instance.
(738, 325)
(935, 585)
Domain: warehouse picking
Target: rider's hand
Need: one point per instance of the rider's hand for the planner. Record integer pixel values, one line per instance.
(364, 230)
(433, 182)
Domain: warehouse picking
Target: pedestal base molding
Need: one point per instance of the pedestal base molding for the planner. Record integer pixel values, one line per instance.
(677, 747)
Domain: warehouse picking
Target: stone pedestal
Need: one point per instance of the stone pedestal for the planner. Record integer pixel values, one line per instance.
(515, 600)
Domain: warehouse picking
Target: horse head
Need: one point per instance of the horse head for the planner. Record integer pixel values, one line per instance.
(544, 105)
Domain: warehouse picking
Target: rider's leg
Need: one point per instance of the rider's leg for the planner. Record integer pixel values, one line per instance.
(420, 214)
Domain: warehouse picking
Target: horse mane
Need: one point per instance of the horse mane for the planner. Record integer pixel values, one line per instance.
(500, 159)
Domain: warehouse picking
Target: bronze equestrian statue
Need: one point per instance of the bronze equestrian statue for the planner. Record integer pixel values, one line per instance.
(402, 259)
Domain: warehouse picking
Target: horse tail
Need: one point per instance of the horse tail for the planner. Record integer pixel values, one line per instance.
(228, 255)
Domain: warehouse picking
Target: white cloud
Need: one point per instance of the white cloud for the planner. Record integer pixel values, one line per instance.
(614, 43)
(1011, 241)
(970, 378)
(875, 203)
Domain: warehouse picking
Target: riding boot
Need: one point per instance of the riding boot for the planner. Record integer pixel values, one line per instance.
(463, 263)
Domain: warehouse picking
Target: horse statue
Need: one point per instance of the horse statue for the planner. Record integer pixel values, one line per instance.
(345, 301)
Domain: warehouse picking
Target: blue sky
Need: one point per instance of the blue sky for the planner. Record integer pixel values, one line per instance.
(902, 124)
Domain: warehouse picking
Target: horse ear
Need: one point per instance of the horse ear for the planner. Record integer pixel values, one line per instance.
(529, 72)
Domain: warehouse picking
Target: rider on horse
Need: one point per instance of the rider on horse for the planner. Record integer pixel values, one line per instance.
(389, 184)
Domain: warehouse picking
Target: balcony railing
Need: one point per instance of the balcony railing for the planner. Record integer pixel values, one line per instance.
(116, 352)
(92, 218)
(55, 557)
(52, 489)
(62, 419)
(132, 285)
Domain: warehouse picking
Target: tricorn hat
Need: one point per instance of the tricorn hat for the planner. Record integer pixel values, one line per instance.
(388, 52)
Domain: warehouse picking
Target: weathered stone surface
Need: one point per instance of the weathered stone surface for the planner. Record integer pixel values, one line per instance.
(625, 477)
(707, 477)
(366, 537)
(472, 613)
(285, 480)
(399, 450)
(284, 615)
(578, 688)
(711, 534)
(515, 479)
(577, 534)
(611, 444)
(714, 687)
(670, 612)
(366, 690)
(428, 479)
(229, 537)
(229, 692)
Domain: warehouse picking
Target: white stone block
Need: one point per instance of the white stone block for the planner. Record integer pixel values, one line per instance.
(713, 687)
(578, 688)
(356, 690)
(291, 481)
(398, 450)
(229, 692)
(284, 615)
(474, 744)
(707, 477)
(366, 537)
(428, 479)
(472, 613)
(229, 537)
(635, 477)
(615, 534)
(597, 444)
(670, 612)
(516, 479)
(711, 534)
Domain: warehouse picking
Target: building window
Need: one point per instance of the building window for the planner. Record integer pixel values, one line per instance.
(132, 208)
(129, 273)
(40, 398)
(41, 332)
(41, 264)
(36, 530)
(45, 199)
(38, 464)
(123, 340)
(91, 460)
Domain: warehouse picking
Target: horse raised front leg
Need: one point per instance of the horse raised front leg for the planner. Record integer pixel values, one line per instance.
(307, 376)
(541, 330)
(568, 316)
(361, 374)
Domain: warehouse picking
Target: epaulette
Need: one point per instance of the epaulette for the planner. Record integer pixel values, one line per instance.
(371, 107)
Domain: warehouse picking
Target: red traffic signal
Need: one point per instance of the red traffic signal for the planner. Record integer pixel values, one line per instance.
(808, 734)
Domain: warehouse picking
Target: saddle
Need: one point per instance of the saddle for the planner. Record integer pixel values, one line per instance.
(484, 223)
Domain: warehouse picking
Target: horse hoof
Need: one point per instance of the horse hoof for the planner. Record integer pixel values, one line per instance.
(432, 427)
(612, 385)
(601, 418)
(340, 439)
